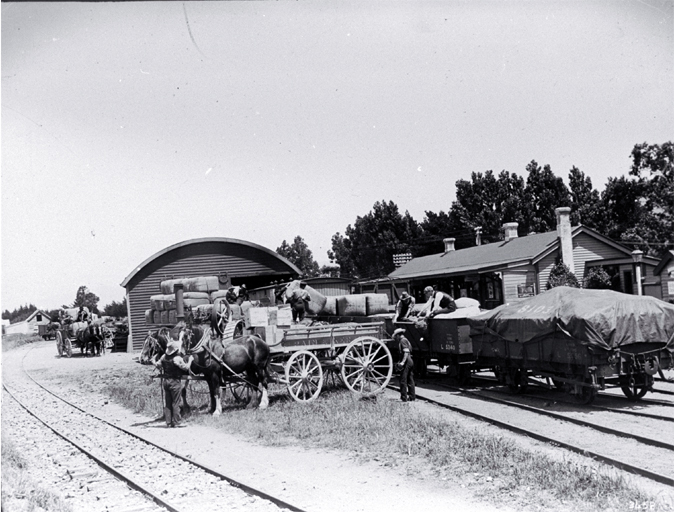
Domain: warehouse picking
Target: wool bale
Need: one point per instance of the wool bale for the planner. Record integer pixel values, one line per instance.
(163, 317)
(191, 284)
(376, 303)
(194, 299)
(317, 302)
(149, 316)
(330, 307)
(157, 302)
(466, 302)
(220, 294)
(172, 316)
(169, 301)
(352, 305)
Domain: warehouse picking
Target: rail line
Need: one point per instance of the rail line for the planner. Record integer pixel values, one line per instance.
(193, 475)
(645, 401)
(664, 479)
(551, 414)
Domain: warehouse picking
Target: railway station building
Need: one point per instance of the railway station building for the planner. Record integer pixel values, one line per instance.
(519, 266)
(234, 262)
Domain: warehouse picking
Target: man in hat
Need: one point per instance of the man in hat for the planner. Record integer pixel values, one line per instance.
(231, 295)
(405, 366)
(437, 303)
(298, 299)
(404, 307)
(243, 294)
(173, 367)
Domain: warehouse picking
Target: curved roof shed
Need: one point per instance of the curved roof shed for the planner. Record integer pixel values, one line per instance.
(233, 261)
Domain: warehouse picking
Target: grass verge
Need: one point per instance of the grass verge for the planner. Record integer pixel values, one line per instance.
(12, 341)
(19, 491)
(395, 434)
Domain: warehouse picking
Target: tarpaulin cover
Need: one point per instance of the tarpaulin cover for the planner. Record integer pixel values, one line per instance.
(601, 318)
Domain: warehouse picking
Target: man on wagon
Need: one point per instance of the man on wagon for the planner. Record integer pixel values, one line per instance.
(437, 303)
(231, 295)
(298, 300)
(173, 367)
(405, 366)
(404, 307)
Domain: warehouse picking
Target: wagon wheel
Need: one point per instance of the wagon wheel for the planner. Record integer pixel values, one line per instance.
(67, 346)
(304, 376)
(243, 392)
(517, 380)
(219, 316)
(59, 343)
(585, 395)
(367, 366)
(635, 388)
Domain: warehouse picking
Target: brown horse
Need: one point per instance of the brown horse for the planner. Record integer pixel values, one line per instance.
(245, 358)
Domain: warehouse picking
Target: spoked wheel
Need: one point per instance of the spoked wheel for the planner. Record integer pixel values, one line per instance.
(67, 347)
(635, 387)
(367, 366)
(243, 392)
(517, 380)
(59, 343)
(220, 315)
(304, 376)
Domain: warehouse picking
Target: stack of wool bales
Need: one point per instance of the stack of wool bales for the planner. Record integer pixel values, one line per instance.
(197, 292)
(366, 304)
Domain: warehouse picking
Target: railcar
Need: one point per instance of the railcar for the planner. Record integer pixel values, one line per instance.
(582, 340)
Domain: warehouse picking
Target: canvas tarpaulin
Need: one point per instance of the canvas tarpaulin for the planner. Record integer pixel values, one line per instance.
(601, 318)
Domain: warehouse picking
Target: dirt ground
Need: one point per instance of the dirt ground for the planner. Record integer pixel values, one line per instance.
(316, 480)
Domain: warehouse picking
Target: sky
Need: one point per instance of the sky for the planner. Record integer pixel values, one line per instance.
(131, 126)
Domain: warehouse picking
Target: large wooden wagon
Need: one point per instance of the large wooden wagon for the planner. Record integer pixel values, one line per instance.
(355, 353)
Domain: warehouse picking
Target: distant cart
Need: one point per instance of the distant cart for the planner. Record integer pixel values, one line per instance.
(69, 334)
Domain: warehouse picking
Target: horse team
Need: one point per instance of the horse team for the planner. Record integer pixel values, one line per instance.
(242, 359)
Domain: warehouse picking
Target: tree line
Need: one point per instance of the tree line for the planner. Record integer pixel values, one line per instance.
(636, 210)
(83, 297)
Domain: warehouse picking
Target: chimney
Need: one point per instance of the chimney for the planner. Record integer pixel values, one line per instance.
(478, 235)
(510, 229)
(449, 244)
(564, 234)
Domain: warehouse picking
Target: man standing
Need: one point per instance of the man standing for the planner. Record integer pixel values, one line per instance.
(298, 300)
(404, 307)
(173, 367)
(406, 366)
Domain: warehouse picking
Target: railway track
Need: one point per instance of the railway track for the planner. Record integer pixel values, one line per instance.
(578, 435)
(160, 478)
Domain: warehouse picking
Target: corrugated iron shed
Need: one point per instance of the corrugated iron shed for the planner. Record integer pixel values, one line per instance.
(233, 261)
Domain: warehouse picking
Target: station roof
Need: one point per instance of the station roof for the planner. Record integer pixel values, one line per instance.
(493, 256)
(214, 240)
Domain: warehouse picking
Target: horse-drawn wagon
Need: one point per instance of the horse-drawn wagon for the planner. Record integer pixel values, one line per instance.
(92, 337)
(355, 353)
(300, 356)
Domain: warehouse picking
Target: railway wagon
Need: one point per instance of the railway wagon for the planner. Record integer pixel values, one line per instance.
(581, 340)
(443, 340)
